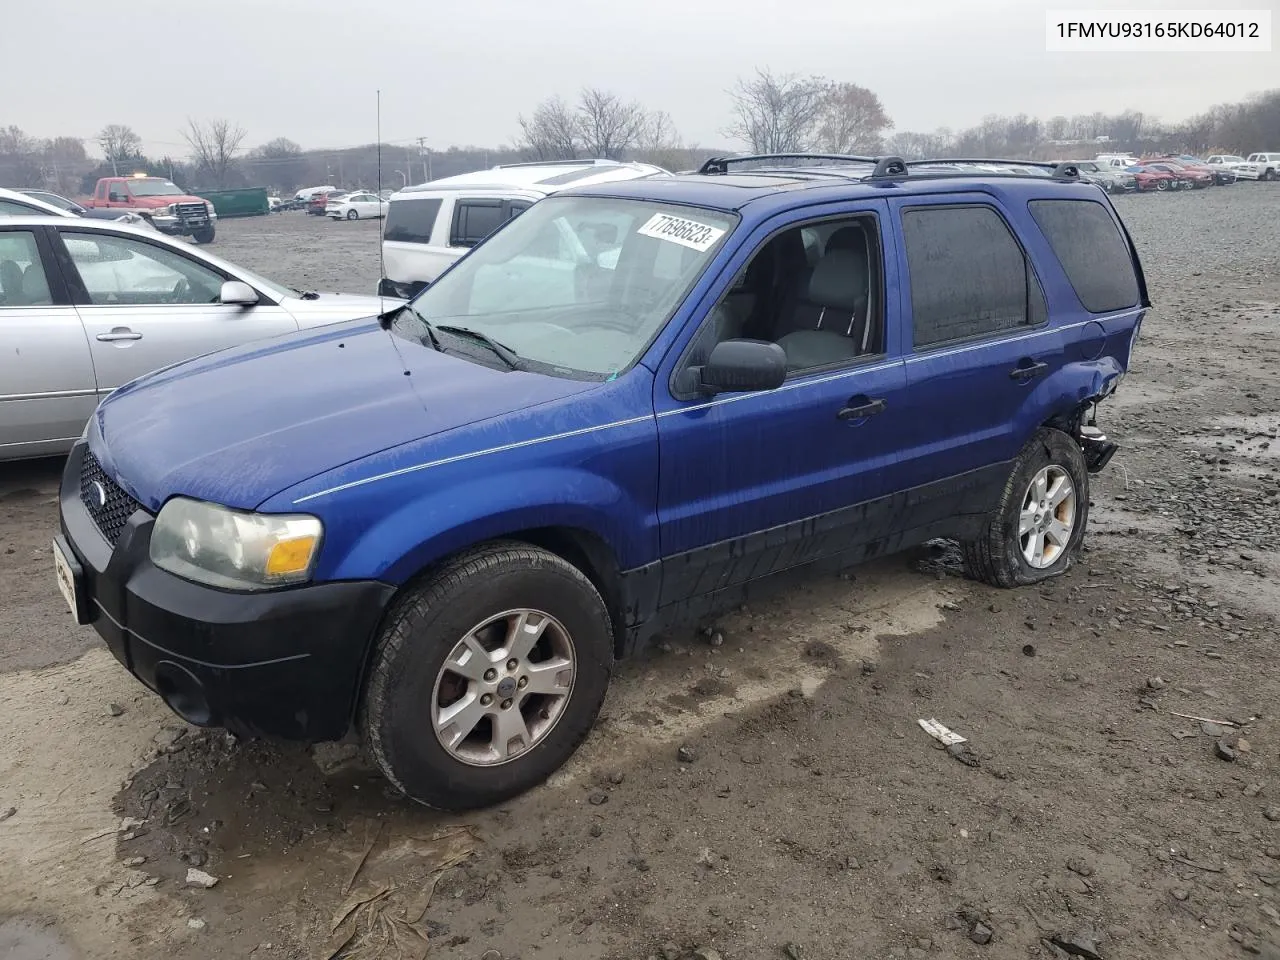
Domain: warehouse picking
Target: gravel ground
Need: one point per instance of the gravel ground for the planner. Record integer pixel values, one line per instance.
(771, 796)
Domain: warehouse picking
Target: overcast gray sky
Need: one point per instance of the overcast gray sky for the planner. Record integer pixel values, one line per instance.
(461, 71)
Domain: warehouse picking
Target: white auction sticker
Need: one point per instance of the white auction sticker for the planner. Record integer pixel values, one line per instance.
(687, 233)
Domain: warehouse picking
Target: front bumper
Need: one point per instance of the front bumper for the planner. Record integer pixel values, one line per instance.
(283, 663)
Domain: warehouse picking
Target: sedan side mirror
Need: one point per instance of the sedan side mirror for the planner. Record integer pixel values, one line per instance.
(238, 292)
(739, 365)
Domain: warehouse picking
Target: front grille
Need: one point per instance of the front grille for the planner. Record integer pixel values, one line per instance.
(108, 505)
(192, 214)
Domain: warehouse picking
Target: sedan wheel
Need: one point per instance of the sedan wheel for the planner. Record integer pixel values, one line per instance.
(352, 215)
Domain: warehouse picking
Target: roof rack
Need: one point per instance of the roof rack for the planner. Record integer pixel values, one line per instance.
(889, 169)
(721, 164)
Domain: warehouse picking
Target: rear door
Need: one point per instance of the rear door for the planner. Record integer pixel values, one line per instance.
(145, 305)
(981, 352)
(47, 384)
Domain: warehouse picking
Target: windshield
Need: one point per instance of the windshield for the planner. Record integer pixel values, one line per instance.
(52, 198)
(154, 188)
(575, 286)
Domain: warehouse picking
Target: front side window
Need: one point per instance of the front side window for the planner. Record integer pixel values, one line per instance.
(411, 221)
(12, 208)
(121, 270)
(815, 290)
(575, 286)
(968, 275)
(22, 277)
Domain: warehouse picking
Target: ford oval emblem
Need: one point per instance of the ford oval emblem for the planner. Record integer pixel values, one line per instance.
(99, 493)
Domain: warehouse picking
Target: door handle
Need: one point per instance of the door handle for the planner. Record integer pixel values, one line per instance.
(859, 408)
(115, 335)
(1028, 368)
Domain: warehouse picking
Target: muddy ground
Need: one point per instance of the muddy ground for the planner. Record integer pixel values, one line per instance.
(807, 814)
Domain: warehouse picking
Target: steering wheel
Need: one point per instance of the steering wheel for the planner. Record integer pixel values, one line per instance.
(181, 290)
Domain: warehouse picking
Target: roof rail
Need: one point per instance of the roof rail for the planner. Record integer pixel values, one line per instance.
(1065, 170)
(721, 164)
(560, 163)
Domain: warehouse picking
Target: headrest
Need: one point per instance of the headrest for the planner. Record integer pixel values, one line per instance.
(848, 238)
(839, 280)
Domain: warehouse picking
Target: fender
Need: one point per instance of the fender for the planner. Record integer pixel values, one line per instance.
(444, 520)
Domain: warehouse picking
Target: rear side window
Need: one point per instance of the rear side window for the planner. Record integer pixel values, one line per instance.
(1093, 253)
(969, 276)
(411, 221)
(473, 220)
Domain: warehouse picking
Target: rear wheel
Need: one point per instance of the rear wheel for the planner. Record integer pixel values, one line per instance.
(1036, 531)
(353, 215)
(487, 677)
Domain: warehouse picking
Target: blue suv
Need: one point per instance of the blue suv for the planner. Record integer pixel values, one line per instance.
(440, 527)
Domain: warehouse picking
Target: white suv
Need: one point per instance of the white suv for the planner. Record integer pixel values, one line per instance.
(1268, 165)
(431, 225)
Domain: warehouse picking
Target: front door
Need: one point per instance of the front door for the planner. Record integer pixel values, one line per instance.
(146, 305)
(753, 483)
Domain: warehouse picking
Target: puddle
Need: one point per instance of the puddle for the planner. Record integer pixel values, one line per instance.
(27, 939)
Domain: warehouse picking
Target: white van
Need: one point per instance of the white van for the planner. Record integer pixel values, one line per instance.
(431, 225)
(1116, 159)
(306, 193)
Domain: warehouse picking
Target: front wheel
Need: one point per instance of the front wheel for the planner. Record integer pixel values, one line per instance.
(486, 677)
(1040, 523)
(353, 215)
(204, 235)
(1162, 185)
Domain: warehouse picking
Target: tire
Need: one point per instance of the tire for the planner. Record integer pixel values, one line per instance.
(353, 215)
(204, 236)
(408, 686)
(997, 557)
(1162, 185)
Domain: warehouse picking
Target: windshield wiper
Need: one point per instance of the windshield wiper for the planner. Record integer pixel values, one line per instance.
(386, 319)
(505, 353)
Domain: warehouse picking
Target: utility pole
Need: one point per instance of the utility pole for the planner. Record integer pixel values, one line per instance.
(425, 153)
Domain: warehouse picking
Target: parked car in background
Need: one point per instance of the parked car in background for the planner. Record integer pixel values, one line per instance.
(88, 305)
(1237, 165)
(273, 203)
(1109, 178)
(430, 226)
(17, 203)
(439, 530)
(355, 206)
(1188, 179)
(1121, 160)
(1268, 165)
(318, 203)
(1149, 178)
(1219, 176)
(160, 202)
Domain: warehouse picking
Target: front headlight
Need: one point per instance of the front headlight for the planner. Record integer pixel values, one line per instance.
(234, 549)
(212, 212)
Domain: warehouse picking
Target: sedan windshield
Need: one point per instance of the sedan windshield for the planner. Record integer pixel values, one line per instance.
(154, 188)
(575, 286)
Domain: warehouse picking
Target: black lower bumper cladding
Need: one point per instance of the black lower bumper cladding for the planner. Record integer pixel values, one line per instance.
(282, 663)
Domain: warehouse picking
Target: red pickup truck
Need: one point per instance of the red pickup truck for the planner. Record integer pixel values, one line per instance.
(160, 201)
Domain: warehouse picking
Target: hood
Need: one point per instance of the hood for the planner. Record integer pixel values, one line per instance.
(238, 426)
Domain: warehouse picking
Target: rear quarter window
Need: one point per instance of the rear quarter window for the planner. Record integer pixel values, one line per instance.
(1088, 244)
(411, 221)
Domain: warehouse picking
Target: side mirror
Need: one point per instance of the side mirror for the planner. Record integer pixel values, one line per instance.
(237, 292)
(739, 365)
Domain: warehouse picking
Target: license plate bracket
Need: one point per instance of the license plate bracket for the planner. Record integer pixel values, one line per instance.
(70, 577)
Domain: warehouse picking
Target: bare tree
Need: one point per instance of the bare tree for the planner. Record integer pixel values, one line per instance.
(279, 162)
(551, 133)
(607, 126)
(776, 114)
(119, 142)
(214, 145)
(852, 120)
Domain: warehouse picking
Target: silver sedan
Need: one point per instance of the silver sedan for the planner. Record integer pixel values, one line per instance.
(86, 306)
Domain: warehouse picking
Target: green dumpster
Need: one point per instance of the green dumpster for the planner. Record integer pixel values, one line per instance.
(246, 202)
